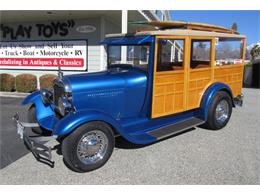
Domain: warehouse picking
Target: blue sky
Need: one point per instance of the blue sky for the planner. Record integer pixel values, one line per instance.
(248, 21)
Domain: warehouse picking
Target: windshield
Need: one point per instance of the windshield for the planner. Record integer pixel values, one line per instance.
(135, 55)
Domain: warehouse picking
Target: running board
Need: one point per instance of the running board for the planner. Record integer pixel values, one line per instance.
(169, 130)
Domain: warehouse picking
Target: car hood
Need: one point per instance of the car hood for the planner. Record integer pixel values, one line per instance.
(117, 92)
(111, 79)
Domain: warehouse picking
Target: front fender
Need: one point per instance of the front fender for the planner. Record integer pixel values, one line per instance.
(30, 99)
(73, 120)
(209, 95)
(41, 111)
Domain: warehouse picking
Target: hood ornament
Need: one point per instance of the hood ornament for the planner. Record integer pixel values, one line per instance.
(60, 73)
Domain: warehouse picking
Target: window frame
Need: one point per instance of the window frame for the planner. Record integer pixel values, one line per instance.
(109, 65)
(211, 50)
(177, 38)
(243, 52)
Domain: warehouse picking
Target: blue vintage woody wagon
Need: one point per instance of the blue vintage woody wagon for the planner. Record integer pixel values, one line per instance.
(171, 79)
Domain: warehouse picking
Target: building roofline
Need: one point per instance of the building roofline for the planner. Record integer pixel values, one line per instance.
(151, 16)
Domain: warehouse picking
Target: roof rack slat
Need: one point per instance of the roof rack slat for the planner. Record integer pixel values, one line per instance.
(163, 25)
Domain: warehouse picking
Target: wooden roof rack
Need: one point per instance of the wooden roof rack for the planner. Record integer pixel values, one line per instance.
(162, 25)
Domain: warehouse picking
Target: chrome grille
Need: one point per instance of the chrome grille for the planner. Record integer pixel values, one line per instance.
(58, 91)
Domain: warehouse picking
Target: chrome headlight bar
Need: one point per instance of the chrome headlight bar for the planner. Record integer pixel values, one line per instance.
(60, 97)
(65, 105)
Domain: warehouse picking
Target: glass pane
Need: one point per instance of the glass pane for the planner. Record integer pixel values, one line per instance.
(114, 54)
(137, 55)
(229, 51)
(201, 51)
(170, 54)
(200, 54)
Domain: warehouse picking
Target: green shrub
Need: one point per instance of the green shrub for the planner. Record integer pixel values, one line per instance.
(47, 80)
(249, 64)
(7, 82)
(26, 83)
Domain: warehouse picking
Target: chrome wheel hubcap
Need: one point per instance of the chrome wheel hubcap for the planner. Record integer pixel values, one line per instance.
(92, 147)
(222, 111)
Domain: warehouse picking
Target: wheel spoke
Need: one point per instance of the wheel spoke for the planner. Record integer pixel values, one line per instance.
(92, 147)
(222, 111)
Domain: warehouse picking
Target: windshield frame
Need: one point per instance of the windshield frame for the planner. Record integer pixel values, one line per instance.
(110, 65)
(127, 40)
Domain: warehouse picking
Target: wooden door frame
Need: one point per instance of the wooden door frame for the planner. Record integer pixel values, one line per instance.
(212, 61)
(185, 65)
(212, 49)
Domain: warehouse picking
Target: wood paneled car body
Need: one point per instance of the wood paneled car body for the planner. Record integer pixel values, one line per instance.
(157, 83)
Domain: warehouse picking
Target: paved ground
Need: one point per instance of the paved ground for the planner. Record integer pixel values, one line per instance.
(10, 144)
(228, 156)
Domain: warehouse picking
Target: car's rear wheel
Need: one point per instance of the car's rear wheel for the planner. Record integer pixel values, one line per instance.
(88, 147)
(219, 112)
(32, 119)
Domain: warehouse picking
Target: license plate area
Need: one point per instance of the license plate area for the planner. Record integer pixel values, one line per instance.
(41, 152)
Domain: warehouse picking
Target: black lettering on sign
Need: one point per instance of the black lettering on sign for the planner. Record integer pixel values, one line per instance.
(39, 27)
(64, 30)
(47, 31)
(28, 30)
(78, 52)
(55, 27)
(20, 31)
(5, 30)
(42, 30)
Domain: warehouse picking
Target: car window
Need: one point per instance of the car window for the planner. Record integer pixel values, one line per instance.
(200, 54)
(136, 55)
(228, 51)
(170, 54)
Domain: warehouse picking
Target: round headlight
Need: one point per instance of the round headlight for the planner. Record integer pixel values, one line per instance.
(64, 105)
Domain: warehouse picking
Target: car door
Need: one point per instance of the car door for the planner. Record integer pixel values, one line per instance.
(200, 69)
(169, 83)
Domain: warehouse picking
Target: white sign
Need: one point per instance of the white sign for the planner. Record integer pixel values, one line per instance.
(86, 29)
(44, 55)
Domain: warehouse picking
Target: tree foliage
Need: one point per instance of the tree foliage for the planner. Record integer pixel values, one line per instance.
(234, 26)
(255, 51)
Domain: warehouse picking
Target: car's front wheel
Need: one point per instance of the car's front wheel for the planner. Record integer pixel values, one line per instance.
(88, 147)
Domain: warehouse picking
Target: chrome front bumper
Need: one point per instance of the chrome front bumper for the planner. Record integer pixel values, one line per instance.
(35, 144)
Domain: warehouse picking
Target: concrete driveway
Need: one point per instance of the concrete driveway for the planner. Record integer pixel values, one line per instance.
(11, 145)
(228, 156)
